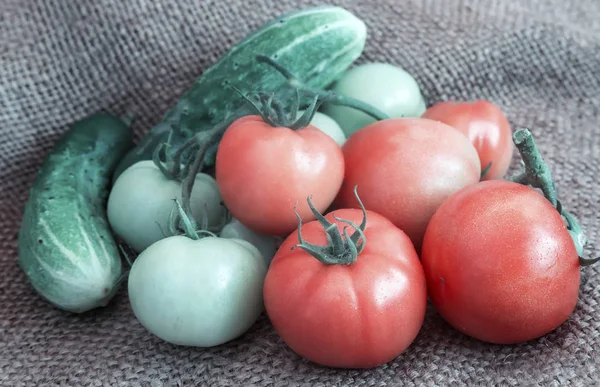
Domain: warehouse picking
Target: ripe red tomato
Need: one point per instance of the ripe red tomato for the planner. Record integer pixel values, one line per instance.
(500, 263)
(487, 128)
(263, 171)
(406, 168)
(356, 315)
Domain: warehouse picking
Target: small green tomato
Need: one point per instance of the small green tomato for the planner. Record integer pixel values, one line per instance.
(198, 293)
(142, 198)
(328, 126)
(382, 85)
(266, 244)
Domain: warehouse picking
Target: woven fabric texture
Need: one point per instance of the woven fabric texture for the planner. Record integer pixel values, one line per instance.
(539, 60)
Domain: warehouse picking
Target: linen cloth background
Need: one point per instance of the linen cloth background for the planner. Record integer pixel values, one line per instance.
(61, 60)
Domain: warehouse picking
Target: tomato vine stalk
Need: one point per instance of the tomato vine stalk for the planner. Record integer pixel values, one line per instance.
(537, 174)
(324, 95)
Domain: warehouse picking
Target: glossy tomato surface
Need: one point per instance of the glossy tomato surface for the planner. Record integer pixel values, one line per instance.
(500, 264)
(263, 171)
(354, 316)
(486, 126)
(406, 168)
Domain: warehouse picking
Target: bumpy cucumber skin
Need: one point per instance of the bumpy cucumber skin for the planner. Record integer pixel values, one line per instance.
(65, 245)
(316, 44)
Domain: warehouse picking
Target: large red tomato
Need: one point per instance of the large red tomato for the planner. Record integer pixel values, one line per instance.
(500, 263)
(487, 128)
(406, 168)
(352, 315)
(263, 171)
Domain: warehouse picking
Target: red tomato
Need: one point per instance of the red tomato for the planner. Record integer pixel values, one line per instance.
(486, 127)
(406, 168)
(356, 315)
(263, 171)
(500, 264)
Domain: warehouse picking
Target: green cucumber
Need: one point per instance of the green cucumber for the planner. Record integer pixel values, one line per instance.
(316, 44)
(65, 245)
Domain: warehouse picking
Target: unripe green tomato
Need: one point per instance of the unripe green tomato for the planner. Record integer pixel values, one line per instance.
(266, 244)
(142, 198)
(328, 126)
(383, 86)
(198, 293)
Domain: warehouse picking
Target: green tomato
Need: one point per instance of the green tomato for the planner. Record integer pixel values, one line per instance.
(142, 198)
(266, 244)
(328, 126)
(382, 85)
(199, 293)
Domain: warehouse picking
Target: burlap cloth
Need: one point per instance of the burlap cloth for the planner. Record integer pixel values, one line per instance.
(60, 60)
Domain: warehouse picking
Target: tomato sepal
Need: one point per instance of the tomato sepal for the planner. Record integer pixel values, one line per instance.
(338, 251)
(273, 111)
(324, 95)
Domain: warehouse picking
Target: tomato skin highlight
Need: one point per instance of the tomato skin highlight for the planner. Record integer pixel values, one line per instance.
(351, 316)
(487, 128)
(500, 264)
(406, 168)
(263, 172)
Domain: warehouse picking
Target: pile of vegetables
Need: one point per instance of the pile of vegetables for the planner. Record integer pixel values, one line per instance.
(327, 195)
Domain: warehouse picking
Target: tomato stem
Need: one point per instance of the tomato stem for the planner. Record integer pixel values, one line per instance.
(338, 251)
(188, 182)
(170, 173)
(537, 174)
(324, 95)
(189, 225)
(202, 141)
(279, 109)
(342, 100)
(307, 116)
(272, 110)
(171, 166)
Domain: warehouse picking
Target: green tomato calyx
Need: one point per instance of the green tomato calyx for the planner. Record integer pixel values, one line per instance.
(273, 111)
(338, 251)
(322, 95)
(182, 220)
(537, 174)
(186, 221)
